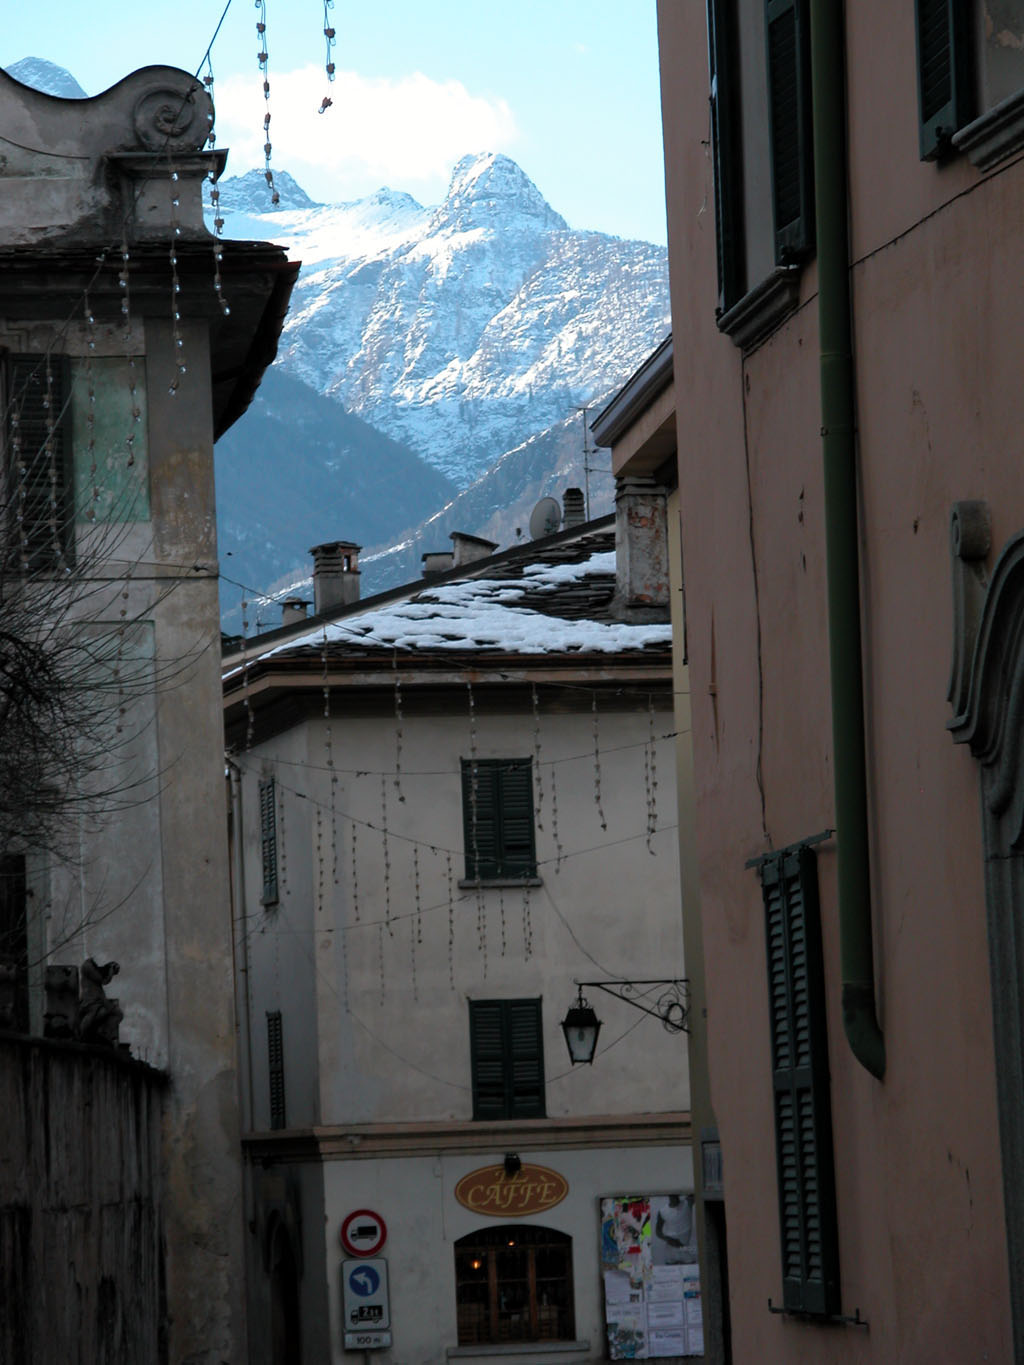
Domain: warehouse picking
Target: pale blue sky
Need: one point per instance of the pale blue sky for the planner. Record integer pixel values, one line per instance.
(569, 88)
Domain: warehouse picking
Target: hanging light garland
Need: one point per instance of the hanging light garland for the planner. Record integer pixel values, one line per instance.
(329, 39)
(263, 58)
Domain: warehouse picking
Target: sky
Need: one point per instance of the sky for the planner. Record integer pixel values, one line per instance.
(567, 88)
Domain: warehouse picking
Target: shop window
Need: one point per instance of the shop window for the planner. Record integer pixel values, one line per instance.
(514, 1283)
(507, 1054)
(497, 810)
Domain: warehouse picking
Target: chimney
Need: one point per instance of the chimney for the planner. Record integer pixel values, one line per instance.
(293, 610)
(641, 551)
(573, 508)
(335, 574)
(467, 549)
(437, 562)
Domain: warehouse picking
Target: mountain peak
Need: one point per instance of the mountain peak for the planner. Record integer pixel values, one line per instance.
(488, 189)
(250, 193)
(47, 77)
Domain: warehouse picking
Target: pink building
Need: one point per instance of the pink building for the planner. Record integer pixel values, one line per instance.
(847, 257)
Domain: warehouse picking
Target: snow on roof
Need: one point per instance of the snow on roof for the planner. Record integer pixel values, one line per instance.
(486, 613)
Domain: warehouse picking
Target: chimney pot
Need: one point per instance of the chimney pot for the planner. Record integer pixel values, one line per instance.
(466, 548)
(574, 511)
(293, 610)
(335, 574)
(437, 562)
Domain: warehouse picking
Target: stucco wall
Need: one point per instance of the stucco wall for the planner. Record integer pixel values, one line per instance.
(392, 1025)
(937, 321)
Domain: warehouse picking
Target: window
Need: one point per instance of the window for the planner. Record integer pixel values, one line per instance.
(497, 812)
(275, 1069)
(803, 1114)
(514, 1283)
(762, 153)
(970, 62)
(13, 944)
(37, 488)
(268, 839)
(507, 1056)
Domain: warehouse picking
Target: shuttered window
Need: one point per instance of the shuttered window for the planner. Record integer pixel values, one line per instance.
(723, 61)
(497, 809)
(787, 30)
(275, 1069)
(803, 1115)
(944, 89)
(507, 1055)
(268, 839)
(37, 485)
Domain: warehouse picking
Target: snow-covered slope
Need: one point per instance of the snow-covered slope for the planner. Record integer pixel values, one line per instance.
(459, 330)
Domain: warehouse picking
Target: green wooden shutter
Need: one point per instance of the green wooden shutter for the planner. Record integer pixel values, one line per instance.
(526, 1050)
(723, 66)
(275, 1068)
(488, 1055)
(480, 818)
(268, 839)
(517, 857)
(944, 93)
(787, 31)
(39, 483)
(803, 1115)
(507, 1057)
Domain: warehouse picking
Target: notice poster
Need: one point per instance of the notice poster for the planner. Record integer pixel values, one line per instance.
(651, 1277)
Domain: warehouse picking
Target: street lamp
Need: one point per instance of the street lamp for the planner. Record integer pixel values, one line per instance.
(670, 1005)
(581, 1027)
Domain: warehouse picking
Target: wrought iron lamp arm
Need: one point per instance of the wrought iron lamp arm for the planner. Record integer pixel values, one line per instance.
(671, 1007)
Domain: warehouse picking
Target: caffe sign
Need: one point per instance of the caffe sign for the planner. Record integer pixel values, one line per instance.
(490, 1191)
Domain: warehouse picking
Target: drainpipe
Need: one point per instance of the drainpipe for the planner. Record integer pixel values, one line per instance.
(838, 441)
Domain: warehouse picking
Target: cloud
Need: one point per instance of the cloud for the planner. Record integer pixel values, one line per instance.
(405, 132)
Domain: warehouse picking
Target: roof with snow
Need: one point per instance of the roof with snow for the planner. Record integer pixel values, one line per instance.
(548, 598)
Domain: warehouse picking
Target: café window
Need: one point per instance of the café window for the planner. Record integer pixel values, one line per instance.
(514, 1283)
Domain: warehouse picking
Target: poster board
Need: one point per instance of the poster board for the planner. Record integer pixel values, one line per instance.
(651, 1277)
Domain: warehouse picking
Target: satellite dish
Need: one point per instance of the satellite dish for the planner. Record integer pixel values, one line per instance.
(545, 519)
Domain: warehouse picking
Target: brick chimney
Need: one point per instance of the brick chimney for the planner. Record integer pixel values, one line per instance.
(466, 549)
(641, 551)
(335, 574)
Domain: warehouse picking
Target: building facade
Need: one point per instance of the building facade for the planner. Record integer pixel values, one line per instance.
(450, 804)
(129, 339)
(845, 253)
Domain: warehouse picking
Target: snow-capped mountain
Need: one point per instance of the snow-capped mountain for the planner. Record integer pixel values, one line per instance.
(463, 329)
(46, 76)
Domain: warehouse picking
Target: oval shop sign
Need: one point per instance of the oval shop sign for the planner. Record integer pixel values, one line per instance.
(490, 1191)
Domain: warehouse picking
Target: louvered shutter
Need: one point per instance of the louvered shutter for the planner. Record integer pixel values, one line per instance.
(725, 150)
(268, 839)
(38, 474)
(275, 1068)
(787, 31)
(507, 1058)
(945, 98)
(803, 1116)
(526, 1049)
(488, 1053)
(515, 812)
(480, 797)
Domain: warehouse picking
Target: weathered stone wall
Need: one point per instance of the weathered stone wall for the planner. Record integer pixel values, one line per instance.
(81, 1221)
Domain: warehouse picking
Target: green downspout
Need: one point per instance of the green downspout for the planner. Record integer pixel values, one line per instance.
(838, 441)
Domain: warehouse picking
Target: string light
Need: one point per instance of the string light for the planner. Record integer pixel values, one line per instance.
(451, 922)
(398, 737)
(387, 855)
(263, 57)
(651, 776)
(355, 874)
(90, 411)
(177, 338)
(501, 918)
(597, 764)
(283, 858)
(538, 781)
(50, 452)
(329, 38)
(527, 923)
(554, 820)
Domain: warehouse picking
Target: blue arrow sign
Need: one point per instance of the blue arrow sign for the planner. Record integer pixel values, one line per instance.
(364, 1281)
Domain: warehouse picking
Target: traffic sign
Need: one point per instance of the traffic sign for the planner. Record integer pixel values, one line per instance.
(366, 1309)
(363, 1233)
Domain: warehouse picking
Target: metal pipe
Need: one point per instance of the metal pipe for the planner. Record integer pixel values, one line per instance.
(838, 440)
